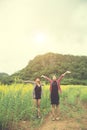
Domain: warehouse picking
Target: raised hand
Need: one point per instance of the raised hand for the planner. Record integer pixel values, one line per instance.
(43, 76)
(68, 72)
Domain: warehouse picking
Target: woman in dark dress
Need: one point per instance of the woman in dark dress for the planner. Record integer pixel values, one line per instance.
(54, 94)
(37, 93)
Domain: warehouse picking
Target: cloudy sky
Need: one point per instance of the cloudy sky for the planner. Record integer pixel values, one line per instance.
(32, 27)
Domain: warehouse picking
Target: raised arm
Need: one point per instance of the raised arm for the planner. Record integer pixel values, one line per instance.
(28, 81)
(43, 76)
(67, 72)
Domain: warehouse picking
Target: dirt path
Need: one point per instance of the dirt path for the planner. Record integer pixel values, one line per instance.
(78, 122)
(62, 124)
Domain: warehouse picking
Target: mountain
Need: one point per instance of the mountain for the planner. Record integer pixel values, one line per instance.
(3, 75)
(5, 78)
(52, 63)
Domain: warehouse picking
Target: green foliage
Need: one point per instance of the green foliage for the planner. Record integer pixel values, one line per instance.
(16, 103)
(83, 96)
(6, 79)
(50, 64)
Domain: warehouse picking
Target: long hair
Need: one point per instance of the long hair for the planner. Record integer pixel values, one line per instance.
(38, 81)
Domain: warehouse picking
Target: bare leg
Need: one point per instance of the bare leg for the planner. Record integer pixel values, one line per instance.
(38, 107)
(57, 111)
(53, 112)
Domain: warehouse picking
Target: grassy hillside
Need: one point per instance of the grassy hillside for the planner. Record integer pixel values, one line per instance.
(50, 64)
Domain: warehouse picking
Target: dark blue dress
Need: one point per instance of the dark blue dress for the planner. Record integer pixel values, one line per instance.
(54, 93)
(37, 92)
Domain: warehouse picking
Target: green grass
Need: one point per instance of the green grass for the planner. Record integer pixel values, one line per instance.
(16, 103)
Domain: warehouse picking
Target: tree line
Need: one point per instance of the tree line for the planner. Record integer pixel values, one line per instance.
(52, 63)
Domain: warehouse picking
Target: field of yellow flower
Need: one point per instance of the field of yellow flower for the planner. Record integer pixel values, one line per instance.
(16, 102)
